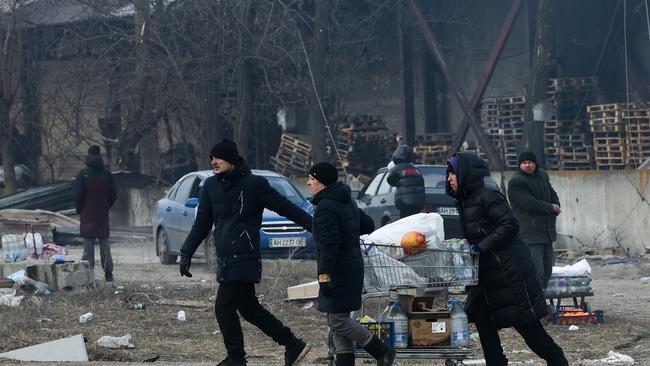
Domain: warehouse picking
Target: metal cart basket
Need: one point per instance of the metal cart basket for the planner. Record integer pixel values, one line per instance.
(393, 270)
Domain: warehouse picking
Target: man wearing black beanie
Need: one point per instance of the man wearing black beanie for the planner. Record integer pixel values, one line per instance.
(233, 201)
(95, 194)
(536, 206)
(338, 223)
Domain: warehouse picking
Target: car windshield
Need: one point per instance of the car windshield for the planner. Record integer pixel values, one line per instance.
(286, 189)
(434, 176)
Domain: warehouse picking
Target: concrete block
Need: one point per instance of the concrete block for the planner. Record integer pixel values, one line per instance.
(304, 291)
(72, 349)
(67, 276)
(8, 268)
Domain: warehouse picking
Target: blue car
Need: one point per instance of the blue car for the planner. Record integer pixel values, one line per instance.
(280, 238)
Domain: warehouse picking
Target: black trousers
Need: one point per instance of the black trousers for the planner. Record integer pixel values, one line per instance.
(533, 333)
(240, 297)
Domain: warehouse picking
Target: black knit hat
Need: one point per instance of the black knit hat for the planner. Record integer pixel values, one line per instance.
(325, 173)
(226, 150)
(93, 150)
(527, 156)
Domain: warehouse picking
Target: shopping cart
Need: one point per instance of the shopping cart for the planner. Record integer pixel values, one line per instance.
(390, 271)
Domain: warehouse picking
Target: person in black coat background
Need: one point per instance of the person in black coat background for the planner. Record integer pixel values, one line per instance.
(94, 194)
(409, 195)
(233, 200)
(337, 225)
(507, 294)
(536, 206)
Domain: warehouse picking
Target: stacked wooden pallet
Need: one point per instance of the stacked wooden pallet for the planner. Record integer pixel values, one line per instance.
(293, 156)
(566, 138)
(608, 131)
(433, 148)
(364, 143)
(637, 135)
(510, 115)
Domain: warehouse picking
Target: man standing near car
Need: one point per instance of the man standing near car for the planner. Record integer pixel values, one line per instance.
(233, 201)
(94, 194)
(536, 206)
(338, 223)
(409, 195)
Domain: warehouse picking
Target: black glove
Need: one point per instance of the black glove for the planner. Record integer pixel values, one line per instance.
(474, 248)
(186, 262)
(326, 288)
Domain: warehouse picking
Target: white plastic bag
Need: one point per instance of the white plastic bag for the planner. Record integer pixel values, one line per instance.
(579, 269)
(382, 271)
(115, 342)
(33, 242)
(429, 224)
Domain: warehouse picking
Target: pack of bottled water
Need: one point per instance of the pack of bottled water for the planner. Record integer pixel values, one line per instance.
(13, 248)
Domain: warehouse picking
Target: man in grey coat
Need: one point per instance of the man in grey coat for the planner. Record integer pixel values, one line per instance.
(536, 206)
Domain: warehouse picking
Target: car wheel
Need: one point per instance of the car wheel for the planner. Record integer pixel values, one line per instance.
(162, 249)
(210, 253)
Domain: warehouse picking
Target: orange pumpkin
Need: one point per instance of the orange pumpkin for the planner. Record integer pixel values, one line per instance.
(413, 242)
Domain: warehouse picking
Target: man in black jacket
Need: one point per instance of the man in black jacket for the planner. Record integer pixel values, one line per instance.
(536, 206)
(233, 201)
(338, 223)
(409, 195)
(94, 194)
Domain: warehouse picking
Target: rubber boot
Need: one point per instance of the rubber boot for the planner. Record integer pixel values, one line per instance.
(344, 359)
(384, 354)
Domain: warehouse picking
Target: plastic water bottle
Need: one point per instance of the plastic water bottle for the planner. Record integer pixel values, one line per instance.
(181, 316)
(459, 325)
(395, 314)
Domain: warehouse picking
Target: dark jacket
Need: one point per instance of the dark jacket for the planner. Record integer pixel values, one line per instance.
(506, 273)
(94, 194)
(408, 180)
(338, 223)
(234, 203)
(532, 198)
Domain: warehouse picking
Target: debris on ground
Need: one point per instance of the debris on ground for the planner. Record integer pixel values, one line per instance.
(115, 342)
(613, 358)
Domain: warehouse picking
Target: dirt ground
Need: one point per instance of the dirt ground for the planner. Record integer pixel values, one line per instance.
(156, 332)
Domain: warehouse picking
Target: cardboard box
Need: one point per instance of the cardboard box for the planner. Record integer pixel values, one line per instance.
(429, 329)
(422, 304)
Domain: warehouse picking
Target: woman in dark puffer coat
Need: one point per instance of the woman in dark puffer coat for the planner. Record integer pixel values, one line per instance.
(507, 294)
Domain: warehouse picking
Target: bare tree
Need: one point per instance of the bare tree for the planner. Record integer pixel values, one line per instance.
(10, 64)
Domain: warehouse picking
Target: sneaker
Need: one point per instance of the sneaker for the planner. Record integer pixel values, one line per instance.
(232, 362)
(108, 276)
(296, 352)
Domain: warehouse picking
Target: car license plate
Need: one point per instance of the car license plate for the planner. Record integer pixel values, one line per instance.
(448, 211)
(286, 242)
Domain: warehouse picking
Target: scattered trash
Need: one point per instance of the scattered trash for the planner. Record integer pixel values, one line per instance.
(216, 332)
(204, 280)
(618, 295)
(608, 262)
(212, 298)
(22, 280)
(43, 319)
(181, 316)
(135, 306)
(8, 298)
(115, 342)
(574, 327)
(71, 349)
(308, 305)
(86, 318)
(474, 336)
(645, 279)
(613, 358)
(158, 288)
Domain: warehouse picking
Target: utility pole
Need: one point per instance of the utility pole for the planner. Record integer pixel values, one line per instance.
(542, 68)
